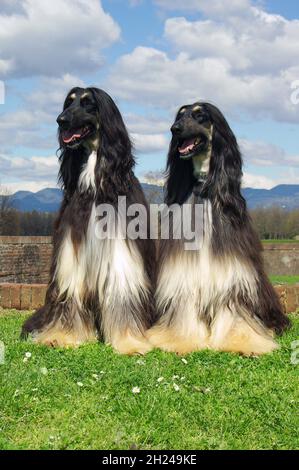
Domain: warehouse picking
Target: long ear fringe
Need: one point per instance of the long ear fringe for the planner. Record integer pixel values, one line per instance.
(115, 159)
(223, 185)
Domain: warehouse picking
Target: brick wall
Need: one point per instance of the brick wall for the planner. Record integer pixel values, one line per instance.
(25, 259)
(22, 296)
(31, 296)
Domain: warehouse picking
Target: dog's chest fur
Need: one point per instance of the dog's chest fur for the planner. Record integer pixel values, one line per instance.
(100, 265)
(196, 279)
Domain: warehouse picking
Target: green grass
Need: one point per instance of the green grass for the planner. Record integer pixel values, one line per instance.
(224, 401)
(284, 279)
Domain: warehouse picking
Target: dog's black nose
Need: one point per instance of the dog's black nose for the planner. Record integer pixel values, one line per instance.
(62, 120)
(176, 129)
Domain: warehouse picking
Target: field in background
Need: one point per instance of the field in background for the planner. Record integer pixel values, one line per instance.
(71, 399)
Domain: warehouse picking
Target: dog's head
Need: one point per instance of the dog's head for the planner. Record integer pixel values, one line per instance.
(79, 121)
(202, 138)
(192, 130)
(91, 121)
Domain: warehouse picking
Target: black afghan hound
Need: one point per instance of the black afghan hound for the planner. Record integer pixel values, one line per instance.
(217, 296)
(99, 287)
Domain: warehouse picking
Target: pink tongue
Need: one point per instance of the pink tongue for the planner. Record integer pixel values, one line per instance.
(68, 136)
(187, 145)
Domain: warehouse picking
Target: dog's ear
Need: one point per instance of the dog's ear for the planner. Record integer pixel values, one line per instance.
(223, 185)
(115, 160)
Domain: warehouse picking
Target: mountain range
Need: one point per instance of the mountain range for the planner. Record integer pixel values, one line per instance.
(285, 196)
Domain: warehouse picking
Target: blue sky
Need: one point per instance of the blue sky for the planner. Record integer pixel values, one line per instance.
(152, 56)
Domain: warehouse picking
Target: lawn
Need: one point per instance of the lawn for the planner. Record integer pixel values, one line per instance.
(284, 279)
(71, 399)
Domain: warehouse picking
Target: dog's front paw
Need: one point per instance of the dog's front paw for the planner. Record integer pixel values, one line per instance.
(130, 344)
(169, 340)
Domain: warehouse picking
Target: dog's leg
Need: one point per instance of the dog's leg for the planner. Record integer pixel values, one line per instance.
(63, 321)
(130, 342)
(179, 328)
(126, 303)
(231, 333)
(180, 331)
(63, 324)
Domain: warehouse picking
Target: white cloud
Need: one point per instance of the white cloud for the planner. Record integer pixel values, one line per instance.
(241, 58)
(148, 133)
(257, 181)
(266, 154)
(52, 92)
(23, 128)
(34, 125)
(147, 143)
(256, 45)
(263, 182)
(23, 169)
(11, 6)
(148, 124)
(213, 7)
(55, 37)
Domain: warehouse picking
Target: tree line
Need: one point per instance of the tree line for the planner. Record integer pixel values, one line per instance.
(275, 223)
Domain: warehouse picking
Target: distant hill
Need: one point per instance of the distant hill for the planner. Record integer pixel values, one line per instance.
(46, 200)
(285, 196)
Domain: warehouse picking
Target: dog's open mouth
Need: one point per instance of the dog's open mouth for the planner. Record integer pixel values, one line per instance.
(74, 136)
(190, 147)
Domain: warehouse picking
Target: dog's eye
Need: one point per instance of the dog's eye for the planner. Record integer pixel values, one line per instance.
(86, 101)
(68, 103)
(199, 116)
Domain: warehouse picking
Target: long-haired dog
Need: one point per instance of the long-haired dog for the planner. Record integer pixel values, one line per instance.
(217, 296)
(99, 287)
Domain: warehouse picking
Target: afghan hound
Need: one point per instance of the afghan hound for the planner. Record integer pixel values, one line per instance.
(100, 287)
(217, 296)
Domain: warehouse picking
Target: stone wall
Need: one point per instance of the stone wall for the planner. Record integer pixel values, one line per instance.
(27, 259)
